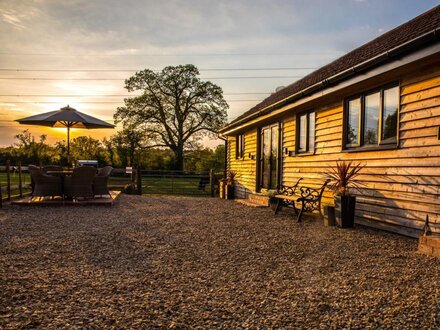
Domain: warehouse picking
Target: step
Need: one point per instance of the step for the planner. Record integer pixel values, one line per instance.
(259, 199)
(429, 245)
(247, 202)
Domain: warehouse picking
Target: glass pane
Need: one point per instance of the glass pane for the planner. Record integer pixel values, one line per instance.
(266, 158)
(354, 109)
(273, 158)
(302, 146)
(238, 147)
(371, 121)
(389, 120)
(311, 131)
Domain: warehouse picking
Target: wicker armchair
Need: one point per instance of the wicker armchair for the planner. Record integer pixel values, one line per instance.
(44, 185)
(100, 181)
(79, 184)
(47, 168)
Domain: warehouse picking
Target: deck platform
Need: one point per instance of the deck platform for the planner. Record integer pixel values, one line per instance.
(58, 201)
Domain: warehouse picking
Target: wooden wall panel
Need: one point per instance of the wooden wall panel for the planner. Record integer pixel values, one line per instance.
(245, 168)
(400, 186)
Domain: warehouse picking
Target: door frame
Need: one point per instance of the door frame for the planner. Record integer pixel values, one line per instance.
(259, 172)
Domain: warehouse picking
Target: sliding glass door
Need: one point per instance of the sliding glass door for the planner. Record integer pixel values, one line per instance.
(269, 157)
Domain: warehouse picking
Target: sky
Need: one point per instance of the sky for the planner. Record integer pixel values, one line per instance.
(76, 52)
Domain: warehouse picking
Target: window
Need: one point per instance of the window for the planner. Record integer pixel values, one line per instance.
(239, 153)
(305, 136)
(371, 118)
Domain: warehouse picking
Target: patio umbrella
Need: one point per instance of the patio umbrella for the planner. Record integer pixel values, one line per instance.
(66, 117)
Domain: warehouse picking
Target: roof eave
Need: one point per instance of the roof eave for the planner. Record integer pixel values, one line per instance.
(406, 47)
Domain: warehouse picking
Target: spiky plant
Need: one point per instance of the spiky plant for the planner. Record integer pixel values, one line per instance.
(343, 177)
(231, 177)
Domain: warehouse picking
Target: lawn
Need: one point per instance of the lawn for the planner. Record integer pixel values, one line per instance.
(176, 185)
(188, 262)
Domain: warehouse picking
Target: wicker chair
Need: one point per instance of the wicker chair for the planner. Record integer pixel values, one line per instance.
(47, 168)
(100, 181)
(44, 185)
(79, 184)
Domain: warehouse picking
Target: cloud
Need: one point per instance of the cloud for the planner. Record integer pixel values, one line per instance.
(303, 33)
(12, 18)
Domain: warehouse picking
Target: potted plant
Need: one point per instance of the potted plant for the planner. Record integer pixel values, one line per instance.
(342, 182)
(229, 191)
(271, 194)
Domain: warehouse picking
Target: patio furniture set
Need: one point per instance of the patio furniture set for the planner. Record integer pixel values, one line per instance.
(81, 182)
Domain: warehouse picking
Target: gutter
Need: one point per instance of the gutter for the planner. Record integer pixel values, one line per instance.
(343, 75)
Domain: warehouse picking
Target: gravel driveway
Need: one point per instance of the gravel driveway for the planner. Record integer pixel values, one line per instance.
(177, 262)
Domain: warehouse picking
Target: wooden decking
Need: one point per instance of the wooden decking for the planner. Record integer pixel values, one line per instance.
(58, 201)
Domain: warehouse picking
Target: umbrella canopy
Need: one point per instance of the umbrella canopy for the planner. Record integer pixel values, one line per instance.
(66, 117)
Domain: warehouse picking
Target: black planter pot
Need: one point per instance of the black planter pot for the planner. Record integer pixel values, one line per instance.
(273, 203)
(344, 211)
(229, 191)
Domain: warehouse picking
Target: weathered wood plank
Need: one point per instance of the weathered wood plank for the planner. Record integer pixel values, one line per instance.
(422, 95)
(420, 86)
(420, 114)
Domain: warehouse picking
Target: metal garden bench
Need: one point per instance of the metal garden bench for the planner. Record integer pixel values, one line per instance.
(310, 198)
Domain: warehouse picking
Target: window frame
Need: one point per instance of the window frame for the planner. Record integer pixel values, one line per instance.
(361, 121)
(307, 151)
(239, 146)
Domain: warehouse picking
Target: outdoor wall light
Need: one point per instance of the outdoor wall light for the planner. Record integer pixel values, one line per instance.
(286, 151)
(251, 156)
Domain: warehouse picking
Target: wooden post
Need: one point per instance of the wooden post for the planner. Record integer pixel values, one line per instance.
(20, 182)
(1, 195)
(132, 180)
(139, 180)
(211, 182)
(8, 179)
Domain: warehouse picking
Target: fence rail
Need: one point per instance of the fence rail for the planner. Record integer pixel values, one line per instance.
(15, 181)
(179, 182)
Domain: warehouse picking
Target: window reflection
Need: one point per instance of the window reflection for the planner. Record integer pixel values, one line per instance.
(371, 121)
(303, 133)
(389, 120)
(354, 108)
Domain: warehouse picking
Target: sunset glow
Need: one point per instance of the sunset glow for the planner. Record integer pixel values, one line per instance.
(79, 54)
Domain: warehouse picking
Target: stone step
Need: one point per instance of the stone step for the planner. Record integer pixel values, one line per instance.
(429, 245)
(259, 199)
(248, 202)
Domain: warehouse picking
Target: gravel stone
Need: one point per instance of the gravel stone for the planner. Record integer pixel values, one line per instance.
(153, 262)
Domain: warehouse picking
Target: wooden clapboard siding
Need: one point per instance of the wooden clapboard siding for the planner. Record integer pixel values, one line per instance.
(400, 187)
(245, 167)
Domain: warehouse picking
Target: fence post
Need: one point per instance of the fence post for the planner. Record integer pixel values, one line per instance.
(211, 182)
(20, 182)
(1, 196)
(139, 180)
(8, 179)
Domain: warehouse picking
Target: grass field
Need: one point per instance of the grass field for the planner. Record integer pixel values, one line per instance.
(177, 185)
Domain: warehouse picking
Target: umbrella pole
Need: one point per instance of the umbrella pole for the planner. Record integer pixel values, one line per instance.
(68, 146)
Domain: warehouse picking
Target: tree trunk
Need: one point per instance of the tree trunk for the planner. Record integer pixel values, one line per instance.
(179, 158)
